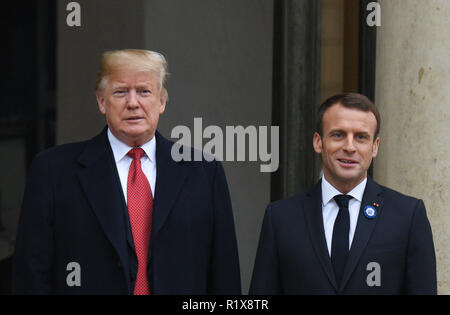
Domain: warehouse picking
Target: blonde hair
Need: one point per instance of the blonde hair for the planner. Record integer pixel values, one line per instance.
(132, 60)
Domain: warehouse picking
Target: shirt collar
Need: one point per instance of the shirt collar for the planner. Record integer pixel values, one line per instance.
(328, 191)
(121, 149)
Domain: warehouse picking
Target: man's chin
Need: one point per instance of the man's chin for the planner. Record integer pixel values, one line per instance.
(136, 131)
(135, 136)
(349, 175)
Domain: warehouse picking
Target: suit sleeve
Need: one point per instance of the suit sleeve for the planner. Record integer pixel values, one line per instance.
(33, 254)
(265, 279)
(224, 275)
(421, 260)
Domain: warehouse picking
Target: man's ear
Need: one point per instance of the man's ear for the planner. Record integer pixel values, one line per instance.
(101, 102)
(317, 143)
(375, 146)
(163, 100)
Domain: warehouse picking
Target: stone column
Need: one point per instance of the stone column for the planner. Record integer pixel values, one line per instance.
(412, 93)
(296, 93)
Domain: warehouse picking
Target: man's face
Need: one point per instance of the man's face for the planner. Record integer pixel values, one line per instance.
(132, 103)
(347, 145)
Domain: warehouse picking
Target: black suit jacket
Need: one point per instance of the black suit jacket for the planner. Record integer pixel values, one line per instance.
(293, 258)
(74, 211)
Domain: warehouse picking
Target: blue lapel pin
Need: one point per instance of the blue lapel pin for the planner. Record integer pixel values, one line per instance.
(370, 212)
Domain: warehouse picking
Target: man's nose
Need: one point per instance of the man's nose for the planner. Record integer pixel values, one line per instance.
(349, 144)
(132, 100)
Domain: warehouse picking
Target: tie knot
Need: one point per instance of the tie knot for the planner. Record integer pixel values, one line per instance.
(342, 200)
(136, 153)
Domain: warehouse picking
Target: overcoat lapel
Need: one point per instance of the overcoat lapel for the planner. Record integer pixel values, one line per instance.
(100, 184)
(364, 228)
(170, 176)
(314, 219)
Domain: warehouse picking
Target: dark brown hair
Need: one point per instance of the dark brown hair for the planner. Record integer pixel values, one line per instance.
(349, 100)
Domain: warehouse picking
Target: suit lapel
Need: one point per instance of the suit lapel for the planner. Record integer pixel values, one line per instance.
(99, 183)
(314, 219)
(364, 228)
(170, 176)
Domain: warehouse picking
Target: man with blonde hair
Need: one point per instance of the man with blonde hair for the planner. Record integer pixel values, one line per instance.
(116, 214)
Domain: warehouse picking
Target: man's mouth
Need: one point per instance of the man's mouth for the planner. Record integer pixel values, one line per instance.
(347, 162)
(133, 118)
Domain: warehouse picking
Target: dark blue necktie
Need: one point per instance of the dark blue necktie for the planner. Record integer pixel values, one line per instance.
(340, 242)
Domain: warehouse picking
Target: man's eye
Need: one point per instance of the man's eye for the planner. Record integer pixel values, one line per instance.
(120, 92)
(336, 135)
(361, 137)
(146, 92)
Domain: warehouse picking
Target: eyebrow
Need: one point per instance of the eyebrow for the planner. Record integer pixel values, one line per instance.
(141, 84)
(119, 85)
(335, 130)
(144, 84)
(343, 131)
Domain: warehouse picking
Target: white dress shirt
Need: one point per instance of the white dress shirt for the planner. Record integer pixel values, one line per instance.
(123, 161)
(330, 209)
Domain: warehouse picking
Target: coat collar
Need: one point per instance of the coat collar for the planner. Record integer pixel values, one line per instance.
(170, 178)
(314, 220)
(364, 228)
(100, 183)
(96, 160)
(373, 196)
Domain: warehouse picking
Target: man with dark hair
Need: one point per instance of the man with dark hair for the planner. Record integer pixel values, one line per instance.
(349, 100)
(347, 234)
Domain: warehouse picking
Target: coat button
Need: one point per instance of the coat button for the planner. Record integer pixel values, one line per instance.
(119, 264)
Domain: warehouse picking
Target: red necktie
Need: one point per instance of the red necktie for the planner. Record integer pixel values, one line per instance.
(140, 209)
